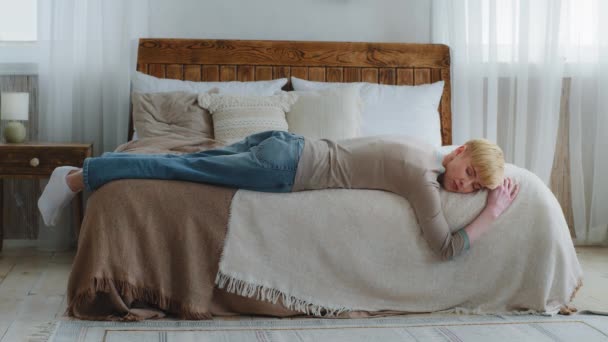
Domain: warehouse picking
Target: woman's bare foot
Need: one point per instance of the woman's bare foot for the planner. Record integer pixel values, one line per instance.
(75, 180)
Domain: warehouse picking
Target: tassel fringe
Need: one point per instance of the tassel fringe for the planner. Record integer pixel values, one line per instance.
(125, 289)
(261, 292)
(232, 285)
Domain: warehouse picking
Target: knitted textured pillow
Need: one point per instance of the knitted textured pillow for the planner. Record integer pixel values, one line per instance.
(235, 117)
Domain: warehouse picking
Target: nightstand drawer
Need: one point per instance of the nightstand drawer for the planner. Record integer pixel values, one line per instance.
(39, 160)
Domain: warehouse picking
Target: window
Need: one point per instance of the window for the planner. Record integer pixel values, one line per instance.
(18, 20)
(579, 40)
(501, 24)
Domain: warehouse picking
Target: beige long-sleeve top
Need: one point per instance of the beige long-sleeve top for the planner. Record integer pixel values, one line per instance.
(398, 164)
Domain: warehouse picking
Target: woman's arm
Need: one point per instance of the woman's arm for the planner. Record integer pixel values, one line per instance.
(498, 201)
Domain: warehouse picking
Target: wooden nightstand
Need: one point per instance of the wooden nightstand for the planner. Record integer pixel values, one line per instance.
(38, 160)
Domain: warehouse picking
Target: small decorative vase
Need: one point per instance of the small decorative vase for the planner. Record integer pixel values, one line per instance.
(14, 132)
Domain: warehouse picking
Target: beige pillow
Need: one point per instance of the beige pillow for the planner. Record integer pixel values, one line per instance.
(333, 113)
(159, 114)
(235, 117)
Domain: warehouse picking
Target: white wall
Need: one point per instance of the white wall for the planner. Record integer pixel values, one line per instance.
(339, 20)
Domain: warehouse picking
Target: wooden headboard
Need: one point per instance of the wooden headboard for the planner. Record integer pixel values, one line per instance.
(256, 60)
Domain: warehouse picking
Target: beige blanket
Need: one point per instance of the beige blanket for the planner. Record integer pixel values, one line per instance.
(150, 244)
(330, 251)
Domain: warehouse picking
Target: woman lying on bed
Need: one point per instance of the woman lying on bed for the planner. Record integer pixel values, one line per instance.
(277, 161)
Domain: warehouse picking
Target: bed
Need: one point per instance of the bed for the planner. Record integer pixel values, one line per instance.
(150, 248)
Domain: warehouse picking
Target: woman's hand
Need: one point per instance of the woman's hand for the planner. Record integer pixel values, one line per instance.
(501, 198)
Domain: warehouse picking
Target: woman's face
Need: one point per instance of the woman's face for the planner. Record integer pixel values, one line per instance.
(460, 175)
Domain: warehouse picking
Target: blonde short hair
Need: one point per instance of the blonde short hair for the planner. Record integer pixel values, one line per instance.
(488, 160)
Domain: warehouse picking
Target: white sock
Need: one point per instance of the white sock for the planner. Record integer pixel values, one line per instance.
(56, 195)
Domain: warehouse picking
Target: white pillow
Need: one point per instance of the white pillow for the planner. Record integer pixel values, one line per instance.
(235, 117)
(326, 114)
(447, 149)
(390, 109)
(142, 83)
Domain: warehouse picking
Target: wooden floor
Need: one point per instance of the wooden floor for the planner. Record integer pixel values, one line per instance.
(33, 287)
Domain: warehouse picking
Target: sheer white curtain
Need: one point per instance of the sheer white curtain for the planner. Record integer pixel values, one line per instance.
(509, 61)
(88, 54)
(505, 75)
(585, 45)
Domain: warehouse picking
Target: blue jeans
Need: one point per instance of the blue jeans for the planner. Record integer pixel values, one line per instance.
(265, 161)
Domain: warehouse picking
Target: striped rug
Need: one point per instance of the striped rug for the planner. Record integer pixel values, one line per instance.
(400, 328)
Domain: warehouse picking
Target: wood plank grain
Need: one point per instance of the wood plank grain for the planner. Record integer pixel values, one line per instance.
(560, 180)
(17, 285)
(210, 73)
(446, 109)
(21, 210)
(435, 75)
(157, 70)
(282, 71)
(33, 312)
(192, 72)
(245, 73)
(18, 318)
(6, 265)
(1, 219)
(142, 67)
(32, 86)
(175, 71)
(17, 158)
(296, 53)
(16, 307)
(300, 72)
(422, 76)
(316, 74)
(405, 76)
(334, 74)
(263, 73)
(16, 163)
(386, 76)
(52, 282)
(21, 279)
(228, 73)
(18, 200)
(352, 75)
(369, 75)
